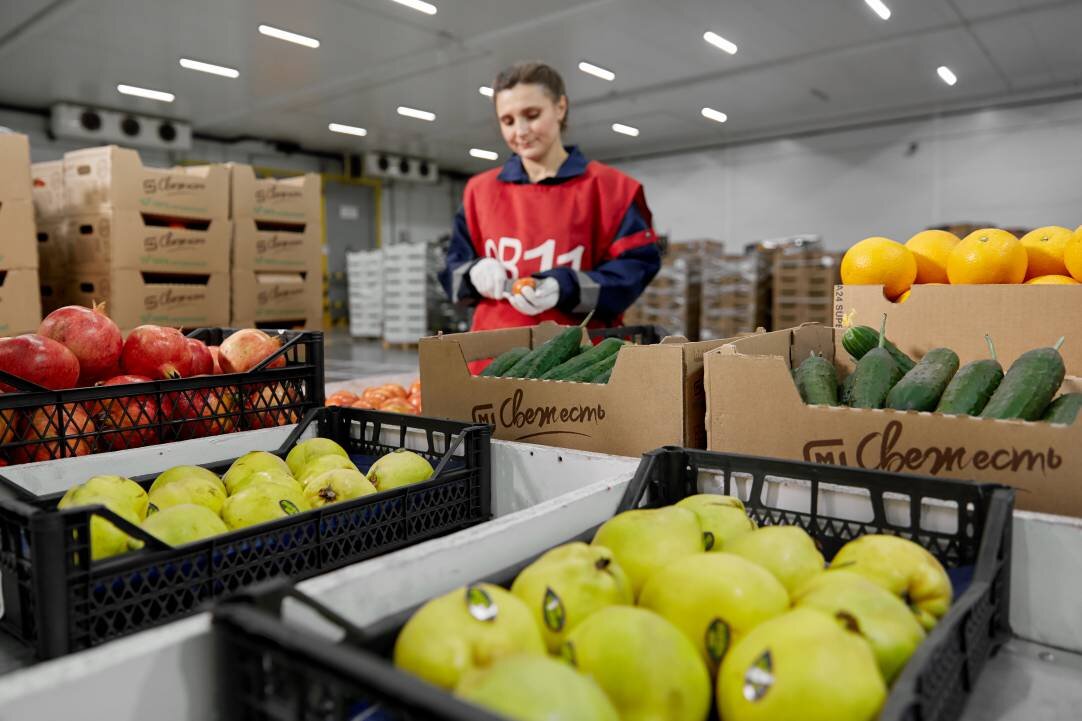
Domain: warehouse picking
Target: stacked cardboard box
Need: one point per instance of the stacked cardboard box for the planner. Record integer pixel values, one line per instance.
(803, 286)
(674, 299)
(20, 309)
(735, 294)
(277, 250)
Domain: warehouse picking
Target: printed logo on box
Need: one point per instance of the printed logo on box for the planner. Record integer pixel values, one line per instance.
(274, 194)
(170, 185)
(516, 414)
(279, 295)
(278, 243)
(171, 299)
(172, 242)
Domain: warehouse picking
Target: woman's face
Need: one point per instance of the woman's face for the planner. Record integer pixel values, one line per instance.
(529, 119)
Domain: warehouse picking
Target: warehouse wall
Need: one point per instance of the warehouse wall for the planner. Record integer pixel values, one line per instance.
(1009, 167)
(419, 212)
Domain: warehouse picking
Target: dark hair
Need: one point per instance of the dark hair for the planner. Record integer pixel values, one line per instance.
(534, 74)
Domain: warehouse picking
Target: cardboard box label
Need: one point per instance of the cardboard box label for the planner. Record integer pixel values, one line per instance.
(530, 419)
(289, 200)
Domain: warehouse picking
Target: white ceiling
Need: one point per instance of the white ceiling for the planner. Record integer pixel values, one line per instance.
(376, 55)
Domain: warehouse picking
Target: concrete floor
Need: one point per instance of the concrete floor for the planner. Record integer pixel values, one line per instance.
(346, 358)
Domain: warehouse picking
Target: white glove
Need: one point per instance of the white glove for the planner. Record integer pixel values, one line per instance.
(535, 301)
(489, 278)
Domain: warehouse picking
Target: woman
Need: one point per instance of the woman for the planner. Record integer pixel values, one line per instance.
(581, 229)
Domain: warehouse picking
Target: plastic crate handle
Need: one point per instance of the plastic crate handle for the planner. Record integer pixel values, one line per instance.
(20, 383)
(278, 353)
(270, 595)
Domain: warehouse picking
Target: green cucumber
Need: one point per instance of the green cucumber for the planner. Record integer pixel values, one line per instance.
(817, 381)
(504, 361)
(875, 374)
(587, 375)
(1029, 385)
(1064, 409)
(969, 390)
(921, 388)
(860, 339)
(587, 358)
(603, 379)
(550, 354)
(847, 389)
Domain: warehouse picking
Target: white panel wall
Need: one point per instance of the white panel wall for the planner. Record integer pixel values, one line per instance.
(419, 212)
(1009, 167)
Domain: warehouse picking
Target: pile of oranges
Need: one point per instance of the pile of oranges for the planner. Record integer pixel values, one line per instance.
(1051, 255)
(389, 397)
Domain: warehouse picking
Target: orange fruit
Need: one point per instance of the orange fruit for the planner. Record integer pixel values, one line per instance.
(1072, 255)
(518, 285)
(880, 261)
(985, 256)
(903, 297)
(1052, 280)
(932, 248)
(1044, 247)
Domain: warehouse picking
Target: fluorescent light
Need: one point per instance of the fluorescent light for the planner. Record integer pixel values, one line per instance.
(486, 91)
(597, 71)
(880, 8)
(347, 129)
(945, 73)
(415, 113)
(625, 129)
(484, 154)
(209, 68)
(146, 93)
(419, 5)
(719, 42)
(271, 31)
(715, 115)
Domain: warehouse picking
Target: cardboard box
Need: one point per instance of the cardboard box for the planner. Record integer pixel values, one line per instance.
(100, 242)
(255, 248)
(286, 200)
(135, 298)
(289, 299)
(113, 178)
(55, 287)
(20, 304)
(1017, 317)
(54, 251)
(47, 181)
(753, 407)
(735, 295)
(14, 167)
(803, 286)
(18, 248)
(654, 398)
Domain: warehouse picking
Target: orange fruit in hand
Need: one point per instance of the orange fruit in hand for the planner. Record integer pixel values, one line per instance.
(931, 249)
(1052, 280)
(880, 261)
(1044, 248)
(516, 288)
(1072, 255)
(989, 255)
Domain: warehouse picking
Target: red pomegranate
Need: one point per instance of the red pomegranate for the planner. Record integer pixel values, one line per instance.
(244, 350)
(214, 354)
(156, 352)
(273, 406)
(9, 425)
(129, 421)
(88, 333)
(202, 360)
(207, 412)
(45, 426)
(39, 360)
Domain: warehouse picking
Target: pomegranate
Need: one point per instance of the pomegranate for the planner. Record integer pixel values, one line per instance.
(156, 352)
(44, 428)
(88, 333)
(127, 422)
(202, 359)
(244, 350)
(39, 360)
(214, 355)
(206, 412)
(9, 425)
(271, 407)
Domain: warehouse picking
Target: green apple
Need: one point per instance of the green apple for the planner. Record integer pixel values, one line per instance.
(261, 503)
(181, 472)
(184, 523)
(567, 584)
(399, 468)
(341, 484)
(307, 451)
(722, 518)
(800, 665)
(126, 492)
(644, 664)
(786, 551)
(258, 477)
(528, 687)
(714, 599)
(250, 463)
(902, 567)
(870, 610)
(468, 628)
(321, 464)
(645, 540)
(190, 489)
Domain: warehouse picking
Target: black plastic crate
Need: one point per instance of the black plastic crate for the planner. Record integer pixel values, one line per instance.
(37, 424)
(56, 605)
(279, 671)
